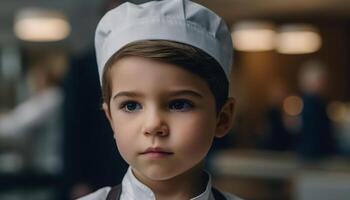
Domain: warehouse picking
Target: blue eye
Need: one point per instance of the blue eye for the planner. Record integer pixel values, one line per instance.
(130, 106)
(180, 105)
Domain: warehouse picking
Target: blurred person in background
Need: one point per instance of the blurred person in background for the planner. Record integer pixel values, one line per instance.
(315, 140)
(276, 136)
(33, 127)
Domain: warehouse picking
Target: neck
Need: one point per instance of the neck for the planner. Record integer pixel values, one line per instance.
(184, 186)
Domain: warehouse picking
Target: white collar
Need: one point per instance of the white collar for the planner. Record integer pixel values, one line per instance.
(134, 189)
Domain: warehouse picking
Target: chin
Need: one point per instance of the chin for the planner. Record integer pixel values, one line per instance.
(161, 175)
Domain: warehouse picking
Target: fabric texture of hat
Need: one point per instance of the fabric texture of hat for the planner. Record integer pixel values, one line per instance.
(175, 20)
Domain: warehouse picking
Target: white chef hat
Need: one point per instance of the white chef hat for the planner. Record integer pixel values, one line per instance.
(174, 20)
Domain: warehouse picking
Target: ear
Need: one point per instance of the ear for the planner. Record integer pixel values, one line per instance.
(225, 118)
(107, 112)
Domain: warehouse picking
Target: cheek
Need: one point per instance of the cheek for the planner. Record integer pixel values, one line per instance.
(124, 138)
(195, 134)
(123, 149)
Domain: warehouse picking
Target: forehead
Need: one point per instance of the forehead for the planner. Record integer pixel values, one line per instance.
(142, 73)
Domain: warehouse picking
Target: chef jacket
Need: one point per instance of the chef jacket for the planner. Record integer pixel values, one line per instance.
(133, 189)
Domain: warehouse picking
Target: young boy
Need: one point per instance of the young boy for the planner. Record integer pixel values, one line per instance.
(164, 68)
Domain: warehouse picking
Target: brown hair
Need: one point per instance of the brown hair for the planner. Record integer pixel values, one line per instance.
(187, 57)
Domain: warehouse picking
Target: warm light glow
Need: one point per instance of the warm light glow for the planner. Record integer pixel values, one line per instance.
(253, 36)
(298, 39)
(41, 26)
(293, 105)
(337, 111)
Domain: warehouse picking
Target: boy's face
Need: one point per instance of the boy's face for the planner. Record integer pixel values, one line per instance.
(163, 117)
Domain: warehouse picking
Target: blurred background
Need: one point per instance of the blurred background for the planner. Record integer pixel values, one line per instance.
(291, 138)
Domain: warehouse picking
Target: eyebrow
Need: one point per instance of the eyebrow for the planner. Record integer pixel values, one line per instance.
(185, 92)
(172, 94)
(126, 94)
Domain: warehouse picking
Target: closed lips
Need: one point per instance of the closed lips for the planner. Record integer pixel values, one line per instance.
(156, 150)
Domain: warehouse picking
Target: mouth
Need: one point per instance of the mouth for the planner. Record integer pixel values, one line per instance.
(156, 152)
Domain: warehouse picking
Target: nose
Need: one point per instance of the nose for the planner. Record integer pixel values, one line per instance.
(155, 124)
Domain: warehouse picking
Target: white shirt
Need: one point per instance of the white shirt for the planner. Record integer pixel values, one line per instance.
(133, 189)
